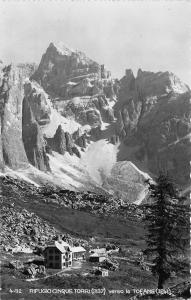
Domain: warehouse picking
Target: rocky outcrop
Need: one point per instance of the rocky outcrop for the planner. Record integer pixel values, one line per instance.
(12, 151)
(62, 142)
(33, 139)
(81, 139)
(58, 142)
(87, 110)
(2, 104)
(18, 119)
(153, 115)
(37, 100)
(114, 139)
(36, 113)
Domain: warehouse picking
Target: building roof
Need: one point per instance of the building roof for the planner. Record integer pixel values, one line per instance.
(98, 255)
(61, 246)
(99, 250)
(71, 83)
(78, 249)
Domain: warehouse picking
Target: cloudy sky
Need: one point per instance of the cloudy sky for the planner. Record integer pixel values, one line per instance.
(151, 35)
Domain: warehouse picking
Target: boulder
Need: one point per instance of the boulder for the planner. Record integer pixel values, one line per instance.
(42, 270)
(31, 271)
(16, 264)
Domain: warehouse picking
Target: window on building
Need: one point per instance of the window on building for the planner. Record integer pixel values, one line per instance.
(56, 265)
(64, 264)
(51, 257)
(57, 257)
(50, 265)
(51, 251)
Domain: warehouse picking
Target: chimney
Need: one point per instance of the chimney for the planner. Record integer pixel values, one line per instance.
(59, 238)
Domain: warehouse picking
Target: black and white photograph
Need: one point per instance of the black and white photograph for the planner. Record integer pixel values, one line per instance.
(95, 149)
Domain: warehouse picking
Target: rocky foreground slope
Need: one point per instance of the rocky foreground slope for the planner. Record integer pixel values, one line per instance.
(25, 228)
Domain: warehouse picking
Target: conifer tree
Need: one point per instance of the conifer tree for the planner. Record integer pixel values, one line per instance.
(167, 223)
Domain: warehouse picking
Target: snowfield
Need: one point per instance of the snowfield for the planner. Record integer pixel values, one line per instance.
(98, 167)
(99, 159)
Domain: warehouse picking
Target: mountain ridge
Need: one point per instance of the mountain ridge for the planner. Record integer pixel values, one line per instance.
(95, 111)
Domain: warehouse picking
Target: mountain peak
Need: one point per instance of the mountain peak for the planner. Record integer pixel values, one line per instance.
(62, 48)
(129, 73)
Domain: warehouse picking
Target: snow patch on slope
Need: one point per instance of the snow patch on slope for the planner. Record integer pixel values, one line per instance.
(99, 159)
(177, 85)
(66, 173)
(19, 174)
(67, 169)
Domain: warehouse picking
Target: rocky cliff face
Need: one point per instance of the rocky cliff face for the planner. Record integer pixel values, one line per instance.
(35, 112)
(153, 113)
(87, 110)
(21, 109)
(33, 139)
(81, 138)
(81, 90)
(12, 151)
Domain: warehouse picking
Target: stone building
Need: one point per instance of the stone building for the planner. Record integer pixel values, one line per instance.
(60, 255)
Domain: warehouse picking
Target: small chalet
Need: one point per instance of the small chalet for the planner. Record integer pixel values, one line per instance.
(78, 253)
(97, 257)
(102, 272)
(58, 255)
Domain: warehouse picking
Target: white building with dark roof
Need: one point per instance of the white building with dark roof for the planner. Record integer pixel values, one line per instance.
(60, 255)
